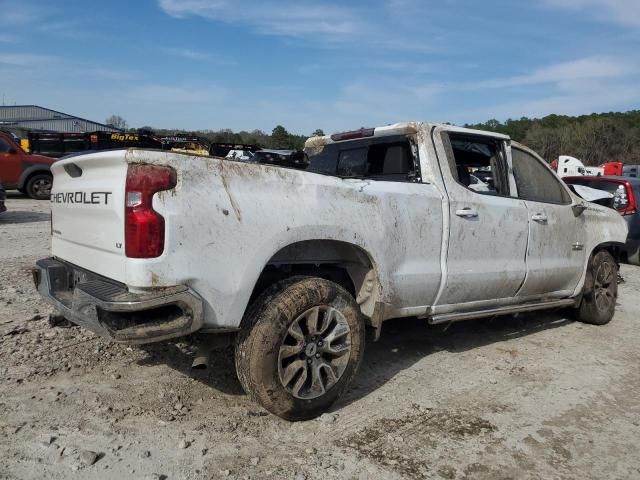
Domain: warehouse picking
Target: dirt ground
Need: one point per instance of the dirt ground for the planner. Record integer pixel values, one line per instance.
(528, 397)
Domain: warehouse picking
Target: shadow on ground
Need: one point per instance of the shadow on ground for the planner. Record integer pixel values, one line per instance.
(414, 340)
(21, 216)
(16, 195)
(220, 373)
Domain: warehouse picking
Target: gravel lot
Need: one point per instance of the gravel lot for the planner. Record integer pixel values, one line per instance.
(536, 396)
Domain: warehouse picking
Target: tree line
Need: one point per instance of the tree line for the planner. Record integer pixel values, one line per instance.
(279, 138)
(594, 139)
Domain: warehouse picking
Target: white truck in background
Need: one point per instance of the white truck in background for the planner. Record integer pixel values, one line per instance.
(571, 167)
(382, 223)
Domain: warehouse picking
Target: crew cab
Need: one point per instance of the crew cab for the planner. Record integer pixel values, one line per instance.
(30, 174)
(380, 223)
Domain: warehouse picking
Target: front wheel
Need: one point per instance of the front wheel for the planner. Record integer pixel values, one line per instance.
(39, 186)
(601, 290)
(300, 346)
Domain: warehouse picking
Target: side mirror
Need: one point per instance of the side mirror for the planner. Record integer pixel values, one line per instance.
(12, 151)
(578, 208)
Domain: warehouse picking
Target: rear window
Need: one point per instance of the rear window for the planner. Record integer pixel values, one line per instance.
(383, 158)
(352, 162)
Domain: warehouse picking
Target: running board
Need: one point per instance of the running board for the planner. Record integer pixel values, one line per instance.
(494, 312)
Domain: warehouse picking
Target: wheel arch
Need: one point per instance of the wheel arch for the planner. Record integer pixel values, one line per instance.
(616, 249)
(30, 172)
(347, 264)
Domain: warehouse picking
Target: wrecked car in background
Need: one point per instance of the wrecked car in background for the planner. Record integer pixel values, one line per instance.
(295, 262)
(283, 158)
(625, 197)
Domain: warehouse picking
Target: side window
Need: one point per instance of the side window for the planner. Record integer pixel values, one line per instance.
(479, 163)
(4, 146)
(534, 181)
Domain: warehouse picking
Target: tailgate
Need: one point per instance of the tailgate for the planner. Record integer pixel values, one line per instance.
(87, 212)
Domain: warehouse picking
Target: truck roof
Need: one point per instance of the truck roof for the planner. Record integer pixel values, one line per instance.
(401, 128)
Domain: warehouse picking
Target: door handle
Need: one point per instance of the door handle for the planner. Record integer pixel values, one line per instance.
(467, 213)
(539, 217)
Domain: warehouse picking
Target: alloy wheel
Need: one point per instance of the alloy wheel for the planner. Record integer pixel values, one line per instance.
(315, 352)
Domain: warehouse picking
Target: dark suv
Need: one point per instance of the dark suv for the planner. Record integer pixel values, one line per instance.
(31, 174)
(626, 195)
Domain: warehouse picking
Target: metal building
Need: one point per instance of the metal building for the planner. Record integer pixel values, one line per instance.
(33, 117)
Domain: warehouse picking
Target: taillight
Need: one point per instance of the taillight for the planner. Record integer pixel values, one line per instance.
(624, 200)
(143, 226)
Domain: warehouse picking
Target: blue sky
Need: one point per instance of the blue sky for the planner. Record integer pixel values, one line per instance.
(307, 64)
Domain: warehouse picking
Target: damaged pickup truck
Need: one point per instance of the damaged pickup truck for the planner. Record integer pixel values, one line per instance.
(382, 223)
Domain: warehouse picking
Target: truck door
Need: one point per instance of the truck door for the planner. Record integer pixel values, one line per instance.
(10, 163)
(488, 228)
(556, 255)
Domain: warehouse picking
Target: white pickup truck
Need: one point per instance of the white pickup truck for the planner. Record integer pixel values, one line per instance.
(295, 262)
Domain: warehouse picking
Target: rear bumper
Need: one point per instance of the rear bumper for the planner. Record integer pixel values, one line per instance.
(110, 310)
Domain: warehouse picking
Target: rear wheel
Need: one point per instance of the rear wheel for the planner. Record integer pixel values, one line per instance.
(599, 300)
(39, 186)
(301, 345)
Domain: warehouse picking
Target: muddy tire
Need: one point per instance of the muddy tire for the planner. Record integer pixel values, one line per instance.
(39, 186)
(601, 290)
(301, 344)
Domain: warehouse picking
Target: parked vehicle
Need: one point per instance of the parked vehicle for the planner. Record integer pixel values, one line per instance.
(626, 200)
(3, 197)
(28, 173)
(223, 149)
(54, 144)
(612, 169)
(191, 148)
(57, 145)
(116, 140)
(242, 155)
(283, 158)
(631, 171)
(293, 263)
(570, 166)
(191, 144)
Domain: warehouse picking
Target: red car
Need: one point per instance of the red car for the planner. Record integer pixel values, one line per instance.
(30, 174)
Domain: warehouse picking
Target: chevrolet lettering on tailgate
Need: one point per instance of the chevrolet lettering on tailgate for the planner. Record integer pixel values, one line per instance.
(87, 198)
